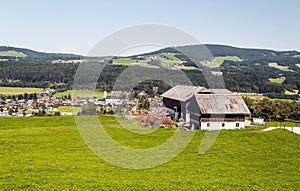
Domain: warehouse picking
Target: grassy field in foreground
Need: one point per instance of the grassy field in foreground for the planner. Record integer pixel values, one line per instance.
(47, 153)
(17, 90)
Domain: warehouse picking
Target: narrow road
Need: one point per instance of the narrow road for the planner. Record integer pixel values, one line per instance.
(294, 129)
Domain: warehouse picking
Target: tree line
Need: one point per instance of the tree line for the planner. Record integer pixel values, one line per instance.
(273, 109)
(238, 76)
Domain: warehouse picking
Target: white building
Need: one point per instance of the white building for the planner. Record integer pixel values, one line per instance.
(217, 111)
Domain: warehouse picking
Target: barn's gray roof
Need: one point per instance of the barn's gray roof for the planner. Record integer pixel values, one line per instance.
(215, 91)
(221, 104)
(181, 92)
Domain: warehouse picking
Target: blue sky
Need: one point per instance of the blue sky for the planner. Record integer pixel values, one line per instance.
(76, 26)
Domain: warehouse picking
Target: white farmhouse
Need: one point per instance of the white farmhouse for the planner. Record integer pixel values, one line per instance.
(207, 109)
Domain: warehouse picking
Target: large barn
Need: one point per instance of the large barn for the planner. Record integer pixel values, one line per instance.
(207, 109)
(177, 98)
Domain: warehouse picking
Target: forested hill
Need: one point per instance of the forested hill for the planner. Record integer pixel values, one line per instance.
(270, 72)
(247, 53)
(224, 50)
(12, 53)
(7, 52)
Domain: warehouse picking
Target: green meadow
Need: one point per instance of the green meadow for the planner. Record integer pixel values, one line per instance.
(219, 60)
(18, 90)
(82, 94)
(128, 61)
(48, 153)
(282, 68)
(13, 53)
(276, 80)
(172, 57)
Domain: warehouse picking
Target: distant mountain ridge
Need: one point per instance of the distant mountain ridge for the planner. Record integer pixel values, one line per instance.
(243, 69)
(215, 50)
(225, 50)
(32, 55)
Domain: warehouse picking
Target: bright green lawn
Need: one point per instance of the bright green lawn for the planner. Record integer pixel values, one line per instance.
(13, 53)
(47, 153)
(17, 90)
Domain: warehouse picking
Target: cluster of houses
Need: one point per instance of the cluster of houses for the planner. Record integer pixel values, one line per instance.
(47, 104)
(201, 108)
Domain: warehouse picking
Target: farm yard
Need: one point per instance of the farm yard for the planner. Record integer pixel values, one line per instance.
(45, 153)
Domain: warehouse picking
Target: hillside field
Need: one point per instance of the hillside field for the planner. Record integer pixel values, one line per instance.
(47, 153)
(282, 68)
(17, 90)
(218, 61)
(13, 53)
(276, 80)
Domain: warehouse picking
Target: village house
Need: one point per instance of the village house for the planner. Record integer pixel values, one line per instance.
(206, 109)
(113, 100)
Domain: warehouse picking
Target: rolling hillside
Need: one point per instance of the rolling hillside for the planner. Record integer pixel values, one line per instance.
(243, 69)
(12, 53)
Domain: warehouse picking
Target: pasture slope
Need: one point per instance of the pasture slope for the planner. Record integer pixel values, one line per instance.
(47, 153)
